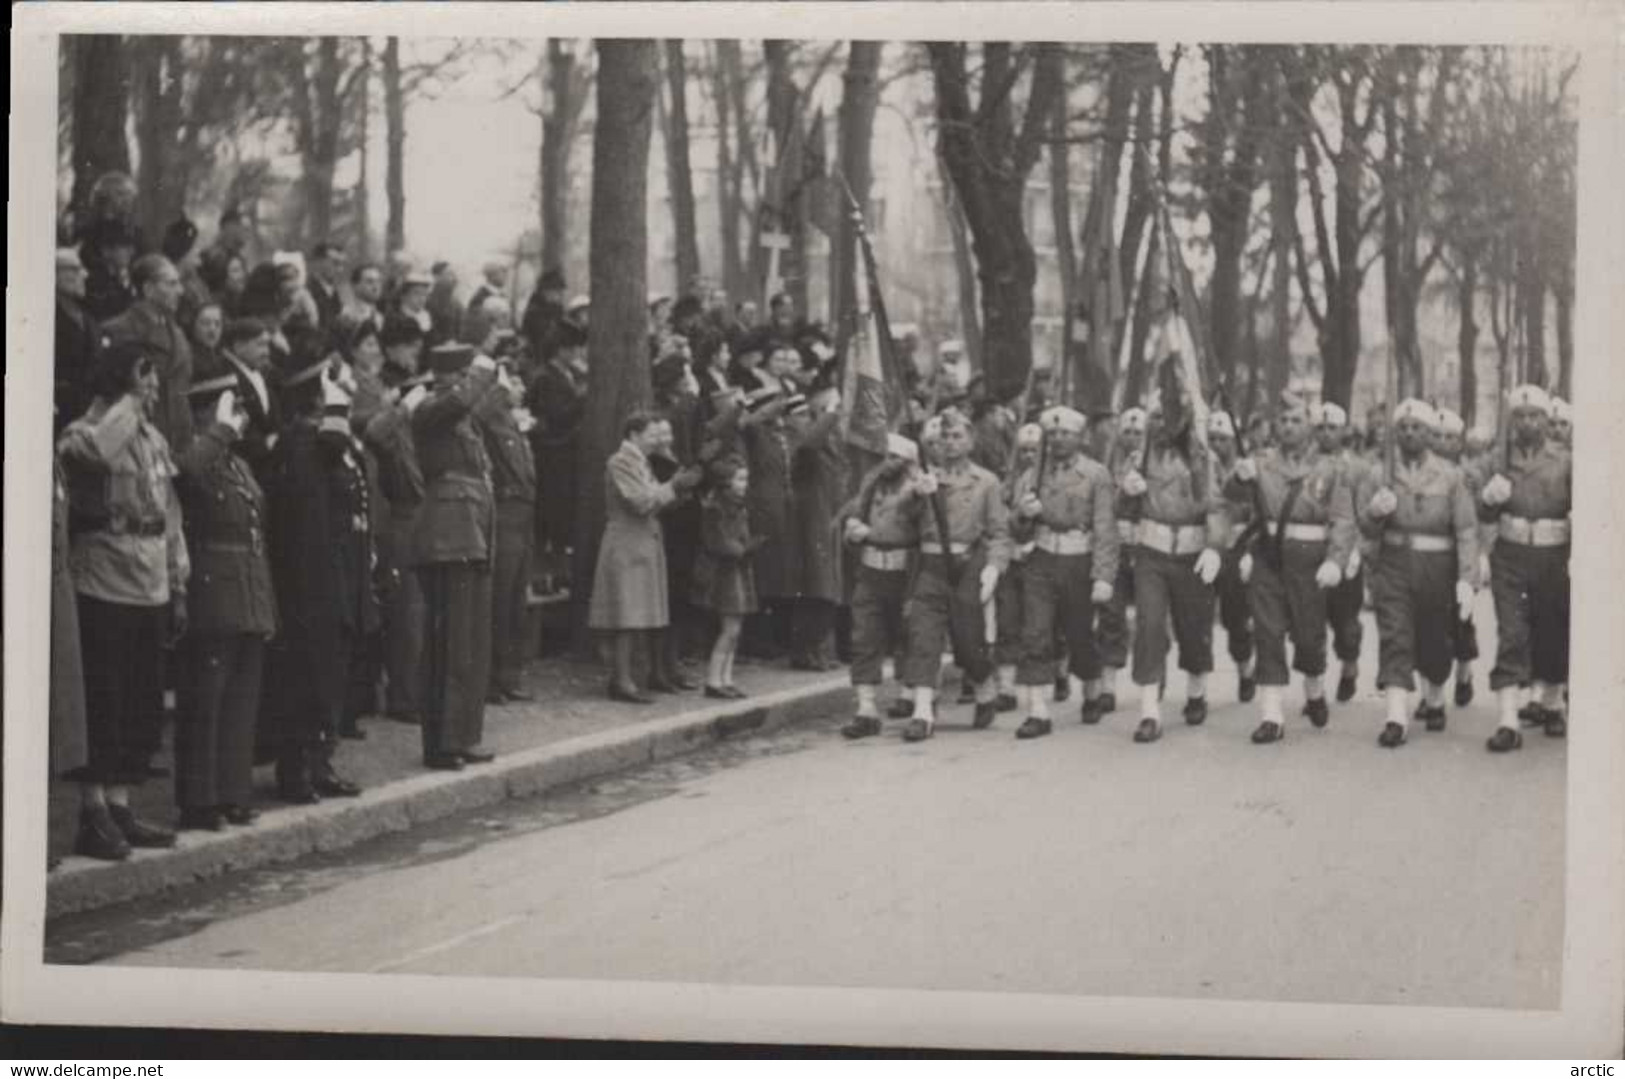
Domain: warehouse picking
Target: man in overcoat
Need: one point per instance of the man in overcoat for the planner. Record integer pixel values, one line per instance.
(150, 321)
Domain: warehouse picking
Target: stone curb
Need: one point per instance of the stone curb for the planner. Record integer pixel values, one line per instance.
(398, 806)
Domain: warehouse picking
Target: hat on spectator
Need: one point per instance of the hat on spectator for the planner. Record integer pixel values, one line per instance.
(400, 330)
(179, 237)
(931, 431)
(417, 279)
(1331, 414)
(450, 357)
(906, 448)
(1450, 423)
(1220, 423)
(1479, 435)
(1529, 396)
(439, 267)
(1415, 409)
(1029, 434)
(1292, 402)
(1133, 419)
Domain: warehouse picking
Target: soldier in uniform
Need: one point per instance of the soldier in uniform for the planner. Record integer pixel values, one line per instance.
(1344, 600)
(1178, 546)
(1307, 536)
(452, 549)
(1449, 442)
(232, 614)
(1562, 415)
(1112, 630)
(1067, 511)
(1530, 500)
(883, 523)
(1427, 563)
(1235, 614)
(1008, 600)
(964, 547)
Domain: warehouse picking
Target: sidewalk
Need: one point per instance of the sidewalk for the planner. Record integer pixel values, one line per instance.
(569, 734)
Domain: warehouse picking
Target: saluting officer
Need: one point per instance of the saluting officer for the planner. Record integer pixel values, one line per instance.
(1112, 629)
(957, 576)
(1425, 570)
(1307, 536)
(1530, 500)
(1007, 601)
(1177, 558)
(1069, 513)
(883, 523)
(1235, 614)
(1449, 442)
(232, 609)
(1344, 600)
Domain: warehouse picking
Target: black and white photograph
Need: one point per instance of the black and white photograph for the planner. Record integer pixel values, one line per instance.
(947, 526)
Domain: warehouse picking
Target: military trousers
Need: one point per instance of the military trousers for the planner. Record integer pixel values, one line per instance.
(124, 689)
(1287, 604)
(219, 707)
(403, 623)
(1112, 628)
(1235, 613)
(1055, 598)
(1343, 605)
(1008, 605)
(942, 613)
(457, 654)
(1166, 589)
(1414, 593)
(877, 621)
(1531, 590)
(510, 577)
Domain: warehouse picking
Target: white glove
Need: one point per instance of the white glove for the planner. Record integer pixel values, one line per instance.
(482, 362)
(333, 392)
(990, 581)
(1497, 491)
(1101, 592)
(1030, 505)
(1207, 565)
(1383, 503)
(225, 412)
(1246, 470)
(1133, 484)
(856, 530)
(1328, 575)
(1354, 562)
(926, 484)
(415, 398)
(523, 420)
(346, 378)
(1244, 568)
(1465, 594)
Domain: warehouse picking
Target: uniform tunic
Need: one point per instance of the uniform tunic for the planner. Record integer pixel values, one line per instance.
(723, 581)
(232, 613)
(1414, 589)
(1112, 629)
(1008, 599)
(1306, 489)
(513, 481)
(629, 584)
(1530, 583)
(1181, 498)
(1362, 475)
(893, 513)
(1078, 506)
(942, 610)
(389, 433)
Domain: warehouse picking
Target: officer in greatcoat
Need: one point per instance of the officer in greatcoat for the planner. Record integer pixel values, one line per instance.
(1529, 502)
(1422, 519)
(233, 614)
(452, 549)
(151, 322)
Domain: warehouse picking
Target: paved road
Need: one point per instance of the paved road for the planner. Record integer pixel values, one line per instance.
(1322, 869)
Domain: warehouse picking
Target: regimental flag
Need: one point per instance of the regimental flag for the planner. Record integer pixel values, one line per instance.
(1101, 290)
(1183, 342)
(872, 394)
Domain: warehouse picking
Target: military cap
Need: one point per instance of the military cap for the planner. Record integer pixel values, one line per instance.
(178, 239)
(1061, 418)
(450, 357)
(1529, 396)
(1293, 402)
(1479, 435)
(577, 303)
(906, 448)
(932, 430)
(1415, 409)
(1030, 434)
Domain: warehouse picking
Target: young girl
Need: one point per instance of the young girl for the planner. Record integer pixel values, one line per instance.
(724, 581)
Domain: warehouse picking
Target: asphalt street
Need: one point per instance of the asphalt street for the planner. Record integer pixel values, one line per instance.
(1320, 869)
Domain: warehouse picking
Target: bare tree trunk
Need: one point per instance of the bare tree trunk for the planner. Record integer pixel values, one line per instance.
(1564, 294)
(729, 178)
(860, 97)
(970, 309)
(363, 190)
(322, 148)
(1143, 59)
(395, 148)
(1148, 300)
(618, 380)
(784, 120)
(680, 178)
(1467, 340)
(160, 176)
(1060, 203)
(101, 102)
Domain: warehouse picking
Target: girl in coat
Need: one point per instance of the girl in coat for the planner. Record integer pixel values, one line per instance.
(724, 581)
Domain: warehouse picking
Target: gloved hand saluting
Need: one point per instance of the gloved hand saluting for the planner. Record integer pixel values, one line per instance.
(856, 530)
(1133, 484)
(1384, 503)
(990, 581)
(1101, 592)
(415, 398)
(1207, 565)
(228, 414)
(1328, 575)
(1497, 491)
(1244, 568)
(1464, 600)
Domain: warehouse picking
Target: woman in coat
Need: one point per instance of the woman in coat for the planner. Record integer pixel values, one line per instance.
(629, 595)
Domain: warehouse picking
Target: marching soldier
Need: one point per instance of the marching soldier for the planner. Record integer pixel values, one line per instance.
(1449, 442)
(1425, 570)
(1562, 414)
(883, 523)
(1343, 601)
(1235, 615)
(1176, 560)
(964, 548)
(1008, 600)
(1307, 536)
(1065, 504)
(1530, 500)
(1112, 630)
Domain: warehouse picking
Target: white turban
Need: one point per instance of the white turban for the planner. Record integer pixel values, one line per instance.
(906, 448)
(1414, 409)
(1450, 423)
(1133, 419)
(1331, 414)
(1529, 396)
(1061, 418)
(1220, 423)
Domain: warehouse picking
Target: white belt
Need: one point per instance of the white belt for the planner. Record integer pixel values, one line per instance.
(875, 558)
(936, 548)
(1072, 541)
(1417, 541)
(1236, 531)
(1125, 531)
(1169, 539)
(1302, 533)
(1540, 532)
